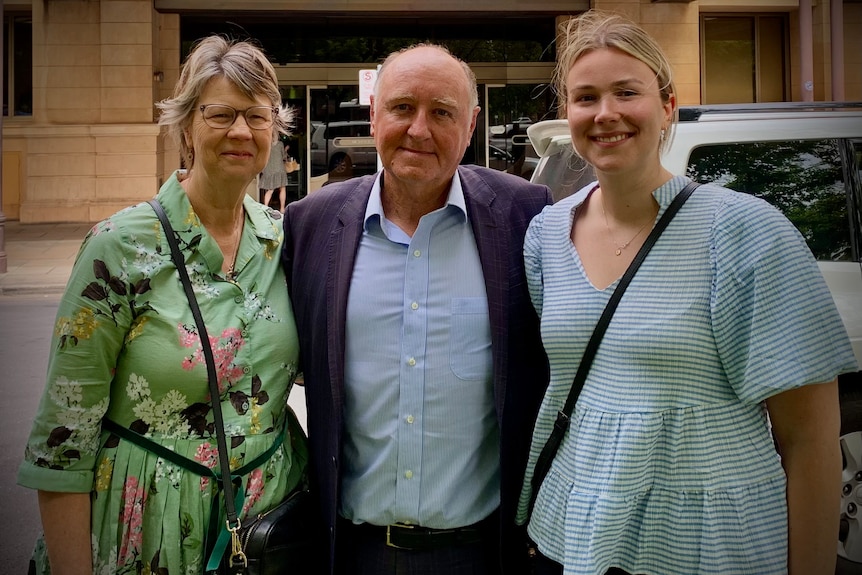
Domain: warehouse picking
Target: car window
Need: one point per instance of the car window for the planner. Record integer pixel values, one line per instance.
(348, 131)
(802, 178)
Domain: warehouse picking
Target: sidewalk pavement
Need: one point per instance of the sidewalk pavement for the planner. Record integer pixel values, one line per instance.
(39, 257)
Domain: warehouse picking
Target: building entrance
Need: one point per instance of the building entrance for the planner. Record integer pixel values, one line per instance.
(331, 139)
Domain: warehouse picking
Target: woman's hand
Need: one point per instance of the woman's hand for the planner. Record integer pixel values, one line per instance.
(806, 423)
(66, 524)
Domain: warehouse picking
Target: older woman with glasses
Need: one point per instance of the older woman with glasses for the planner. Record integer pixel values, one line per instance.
(126, 358)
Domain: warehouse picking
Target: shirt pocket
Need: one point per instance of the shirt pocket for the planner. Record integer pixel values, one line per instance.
(470, 338)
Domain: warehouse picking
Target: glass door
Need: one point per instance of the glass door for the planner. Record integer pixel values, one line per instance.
(340, 144)
(510, 111)
(296, 144)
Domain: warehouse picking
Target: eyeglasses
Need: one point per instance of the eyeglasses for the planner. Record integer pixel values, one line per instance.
(220, 116)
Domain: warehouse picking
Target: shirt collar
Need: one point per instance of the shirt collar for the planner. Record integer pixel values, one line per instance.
(374, 208)
(664, 194)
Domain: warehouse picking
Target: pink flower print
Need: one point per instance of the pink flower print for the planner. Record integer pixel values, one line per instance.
(225, 348)
(207, 455)
(131, 520)
(253, 490)
(188, 336)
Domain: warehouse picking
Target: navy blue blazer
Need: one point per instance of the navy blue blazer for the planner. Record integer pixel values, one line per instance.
(322, 235)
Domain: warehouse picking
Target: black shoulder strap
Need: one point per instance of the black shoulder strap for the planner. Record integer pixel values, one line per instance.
(233, 522)
(561, 425)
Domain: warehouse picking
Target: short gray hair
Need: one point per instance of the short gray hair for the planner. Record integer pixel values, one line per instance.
(244, 64)
(468, 72)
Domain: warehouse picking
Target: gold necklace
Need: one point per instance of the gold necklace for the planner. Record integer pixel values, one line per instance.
(620, 247)
(236, 238)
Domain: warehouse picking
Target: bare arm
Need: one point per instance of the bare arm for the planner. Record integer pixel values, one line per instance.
(66, 523)
(806, 423)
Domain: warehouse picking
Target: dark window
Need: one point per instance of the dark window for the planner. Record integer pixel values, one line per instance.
(354, 39)
(357, 130)
(744, 58)
(18, 65)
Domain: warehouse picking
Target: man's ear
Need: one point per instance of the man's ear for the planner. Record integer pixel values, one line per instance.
(473, 121)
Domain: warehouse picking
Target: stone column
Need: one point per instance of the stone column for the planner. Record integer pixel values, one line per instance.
(3, 262)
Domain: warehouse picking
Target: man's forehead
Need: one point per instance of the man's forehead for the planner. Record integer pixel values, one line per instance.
(445, 97)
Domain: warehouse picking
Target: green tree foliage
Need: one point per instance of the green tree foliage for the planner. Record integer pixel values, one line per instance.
(802, 178)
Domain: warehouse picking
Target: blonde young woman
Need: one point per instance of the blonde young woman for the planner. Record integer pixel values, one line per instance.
(126, 348)
(669, 466)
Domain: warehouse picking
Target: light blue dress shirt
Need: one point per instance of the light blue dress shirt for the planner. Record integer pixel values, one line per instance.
(422, 440)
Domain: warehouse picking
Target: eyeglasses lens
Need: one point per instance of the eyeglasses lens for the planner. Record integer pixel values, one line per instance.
(220, 116)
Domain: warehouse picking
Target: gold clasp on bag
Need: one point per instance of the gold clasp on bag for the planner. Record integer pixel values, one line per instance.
(237, 555)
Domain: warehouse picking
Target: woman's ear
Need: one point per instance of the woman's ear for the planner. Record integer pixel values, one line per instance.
(669, 108)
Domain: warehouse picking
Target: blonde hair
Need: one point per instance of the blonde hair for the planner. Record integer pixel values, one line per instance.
(595, 30)
(244, 64)
(468, 72)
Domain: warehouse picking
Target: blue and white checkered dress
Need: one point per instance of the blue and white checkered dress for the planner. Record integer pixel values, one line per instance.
(669, 466)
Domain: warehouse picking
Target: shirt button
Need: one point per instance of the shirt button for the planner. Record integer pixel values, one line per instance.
(409, 419)
(238, 299)
(411, 362)
(416, 253)
(414, 305)
(246, 369)
(408, 474)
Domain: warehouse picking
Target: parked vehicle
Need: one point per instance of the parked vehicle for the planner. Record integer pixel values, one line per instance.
(509, 136)
(806, 160)
(342, 149)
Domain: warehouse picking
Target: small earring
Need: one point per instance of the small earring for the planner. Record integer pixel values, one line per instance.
(662, 135)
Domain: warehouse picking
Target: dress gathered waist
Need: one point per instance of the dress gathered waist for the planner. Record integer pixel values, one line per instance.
(184, 462)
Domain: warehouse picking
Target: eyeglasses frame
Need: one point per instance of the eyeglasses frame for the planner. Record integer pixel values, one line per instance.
(236, 114)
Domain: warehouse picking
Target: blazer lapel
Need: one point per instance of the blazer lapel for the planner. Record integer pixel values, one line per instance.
(489, 229)
(343, 243)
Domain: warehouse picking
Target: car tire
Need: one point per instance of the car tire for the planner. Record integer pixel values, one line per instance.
(850, 534)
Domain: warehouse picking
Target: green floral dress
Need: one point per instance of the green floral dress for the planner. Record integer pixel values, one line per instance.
(126, 348)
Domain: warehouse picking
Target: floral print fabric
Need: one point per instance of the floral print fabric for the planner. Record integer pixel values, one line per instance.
(126, 348)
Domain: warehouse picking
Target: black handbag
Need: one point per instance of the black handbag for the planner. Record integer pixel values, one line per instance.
(561, 425)
(279, 541)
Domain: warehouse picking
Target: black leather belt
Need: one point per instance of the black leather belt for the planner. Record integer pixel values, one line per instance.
(416, 538)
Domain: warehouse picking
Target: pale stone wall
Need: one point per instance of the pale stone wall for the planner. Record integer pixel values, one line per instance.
(822, 57)
(852, 19)
(822, 46)
(166, 55)
(675, 26)
(793, 74)
(92, 147)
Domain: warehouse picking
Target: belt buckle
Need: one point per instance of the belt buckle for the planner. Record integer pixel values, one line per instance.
(389, 542)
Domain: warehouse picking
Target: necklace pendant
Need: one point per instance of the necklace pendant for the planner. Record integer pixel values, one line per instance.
(619, 251)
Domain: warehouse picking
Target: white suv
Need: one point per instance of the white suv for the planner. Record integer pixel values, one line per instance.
(805, 159)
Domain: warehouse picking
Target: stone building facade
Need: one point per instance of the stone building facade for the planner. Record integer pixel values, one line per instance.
(83, 142)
